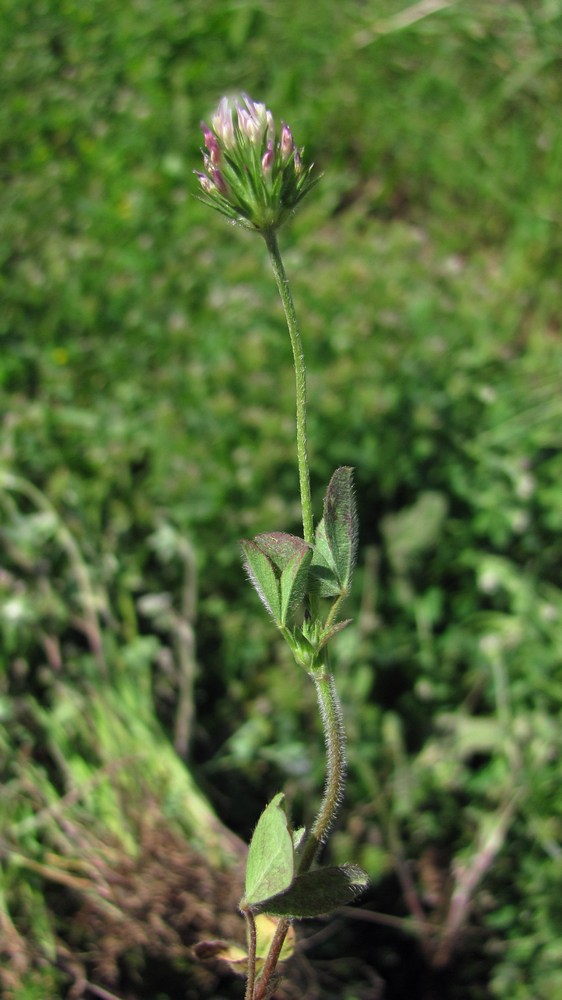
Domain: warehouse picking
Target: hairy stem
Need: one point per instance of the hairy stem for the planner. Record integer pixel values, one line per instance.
(263, 986)
(250, 982)
(300, 380)
(334, 735)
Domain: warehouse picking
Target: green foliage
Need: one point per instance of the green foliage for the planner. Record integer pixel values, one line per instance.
(317, 892)
(277, 564)
(146, 397)
(271, 884)
(335, 547)
(270, 865)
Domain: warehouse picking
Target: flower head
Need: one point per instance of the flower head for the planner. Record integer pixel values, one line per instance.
(253, 174)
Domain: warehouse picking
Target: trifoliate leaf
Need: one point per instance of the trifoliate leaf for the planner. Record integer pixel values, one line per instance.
(277, 564)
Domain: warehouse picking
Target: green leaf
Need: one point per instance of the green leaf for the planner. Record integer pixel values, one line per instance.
(340, 521)
(318, 892)
(270, 864)
(323, 567)
(277, 564)
(293, 581)
(335, 543)
(280, 547)
(263, 577)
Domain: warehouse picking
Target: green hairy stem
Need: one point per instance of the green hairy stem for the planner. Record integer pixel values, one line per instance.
(300, 382)
(334, 735)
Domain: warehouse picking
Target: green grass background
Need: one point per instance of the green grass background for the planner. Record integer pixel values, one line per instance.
(147, 424)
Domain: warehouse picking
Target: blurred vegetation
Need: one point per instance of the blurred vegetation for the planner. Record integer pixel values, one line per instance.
(147, 425)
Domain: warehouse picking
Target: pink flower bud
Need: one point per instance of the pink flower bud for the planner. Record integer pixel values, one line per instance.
(212, 144)
(220, 182)
(256, 109)
(267, 159)
(255, 120)
(205, 182)
(270, 125)
(222, 123)
(248, 125)
(287, 142)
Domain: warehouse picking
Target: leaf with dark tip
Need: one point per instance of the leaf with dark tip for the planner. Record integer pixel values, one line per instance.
(318, 892)
(277, 564)
(280, 547)
(340, 521)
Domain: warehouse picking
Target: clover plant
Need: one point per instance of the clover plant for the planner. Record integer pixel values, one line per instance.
(254, 174)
